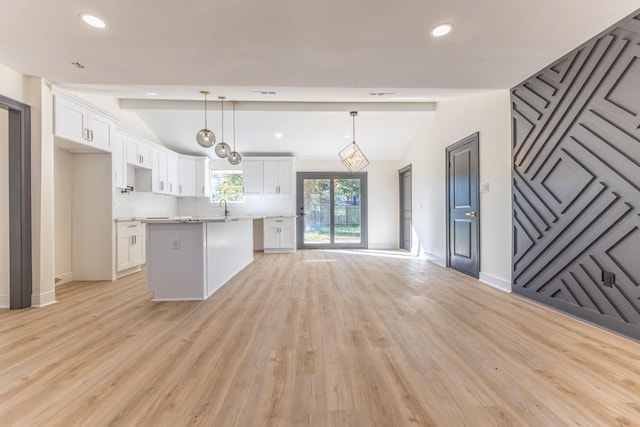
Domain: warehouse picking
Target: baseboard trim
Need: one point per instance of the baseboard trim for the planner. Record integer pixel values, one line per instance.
(436, 259)
(64, 278)
(44, 299)
(5, 301)
(495, 282)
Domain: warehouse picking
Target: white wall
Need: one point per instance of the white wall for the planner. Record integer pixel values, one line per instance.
(4, 208)
(63, 200)
(454, 120)
(383, 187)
(140, 204)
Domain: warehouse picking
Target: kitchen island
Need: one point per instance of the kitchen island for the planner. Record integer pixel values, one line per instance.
(189, 259)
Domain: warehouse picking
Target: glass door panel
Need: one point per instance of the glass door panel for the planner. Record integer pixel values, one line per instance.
(317, 211)
(332, 210)
(347, 216)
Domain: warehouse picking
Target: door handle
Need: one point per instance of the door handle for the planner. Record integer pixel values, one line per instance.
(472, 214)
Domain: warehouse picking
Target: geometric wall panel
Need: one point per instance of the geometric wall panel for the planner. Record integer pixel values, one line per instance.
(576, 181)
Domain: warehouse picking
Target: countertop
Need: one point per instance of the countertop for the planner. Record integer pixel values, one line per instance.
(196, 219)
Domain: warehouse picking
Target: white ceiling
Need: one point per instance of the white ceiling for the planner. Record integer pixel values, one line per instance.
(331, 50)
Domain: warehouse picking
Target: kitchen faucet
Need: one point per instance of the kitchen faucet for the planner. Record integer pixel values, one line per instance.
(226, 212)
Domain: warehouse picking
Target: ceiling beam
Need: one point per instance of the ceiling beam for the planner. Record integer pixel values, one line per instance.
(159, 104)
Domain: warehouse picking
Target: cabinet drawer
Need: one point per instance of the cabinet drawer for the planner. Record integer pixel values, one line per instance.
(278, 222)
(129, 228)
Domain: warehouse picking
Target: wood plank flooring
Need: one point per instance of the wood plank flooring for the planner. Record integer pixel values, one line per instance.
(316, 338)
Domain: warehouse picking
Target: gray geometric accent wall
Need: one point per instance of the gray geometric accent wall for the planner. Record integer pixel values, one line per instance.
(576, 181)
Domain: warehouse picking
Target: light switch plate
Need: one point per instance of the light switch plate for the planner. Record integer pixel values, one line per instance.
(484, 187)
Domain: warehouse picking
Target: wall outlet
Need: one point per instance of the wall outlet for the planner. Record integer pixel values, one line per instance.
(608, 279)
(175, 243)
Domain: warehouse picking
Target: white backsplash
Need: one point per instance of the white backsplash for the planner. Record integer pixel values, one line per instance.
(142, 204)
(253, 205)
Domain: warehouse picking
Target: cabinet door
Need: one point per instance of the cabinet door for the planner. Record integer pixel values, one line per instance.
(100, 129)
(172, 173)
(187, 182)
(122, 252)
(132, 152)
(285, 177)
(136, 250)
(118, 161)
(160, 172)
(270, 176)
(144, 153)
(287, 237)
(252, 176)
(70, 120)
(271, 236)
(203, 177)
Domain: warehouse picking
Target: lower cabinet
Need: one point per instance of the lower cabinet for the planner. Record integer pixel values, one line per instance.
(279, 234)
(129, 245)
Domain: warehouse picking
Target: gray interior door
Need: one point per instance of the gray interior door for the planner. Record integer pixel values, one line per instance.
(463, 240)
(405, 208)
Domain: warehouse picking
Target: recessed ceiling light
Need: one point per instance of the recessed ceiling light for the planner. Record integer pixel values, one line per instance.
(94, 21)
(278, 135)
(78, 65)
(152, 94)
(441, 30)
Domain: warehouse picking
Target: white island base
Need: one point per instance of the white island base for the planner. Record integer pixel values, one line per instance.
(189, 260)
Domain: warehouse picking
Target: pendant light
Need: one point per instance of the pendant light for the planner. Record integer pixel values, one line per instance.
(222, 148)
(234, 157)
(352, 156)
(205, 137)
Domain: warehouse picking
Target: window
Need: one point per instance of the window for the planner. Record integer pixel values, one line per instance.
(228, 185)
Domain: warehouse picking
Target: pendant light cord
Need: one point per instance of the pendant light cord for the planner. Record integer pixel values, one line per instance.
(234, 126)
(205, 111)
(222, 116)
(354, 128)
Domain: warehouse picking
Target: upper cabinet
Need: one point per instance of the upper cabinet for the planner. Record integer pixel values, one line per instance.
(187, 176)
(119, 161)
(269, 176)
(80, 127)
(203, 177)
(138, 153)
(252, 176)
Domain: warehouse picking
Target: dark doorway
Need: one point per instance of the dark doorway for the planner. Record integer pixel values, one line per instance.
(405, 208)
(332, 210)
(20, 258)
(463, 236)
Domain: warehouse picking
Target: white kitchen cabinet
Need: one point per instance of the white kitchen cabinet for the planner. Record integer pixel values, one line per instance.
(252, 176)
(139, 153)
(187, 175)
(172, 173)
(119, 161)
(130, 241)
(203, 177)
(160, 171)
(269, 176)
(278, 177)
(279, 234)
(76, 121)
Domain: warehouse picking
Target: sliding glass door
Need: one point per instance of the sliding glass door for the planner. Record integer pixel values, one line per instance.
(332, 210)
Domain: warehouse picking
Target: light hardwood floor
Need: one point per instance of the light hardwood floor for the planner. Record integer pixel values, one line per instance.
(313, 338)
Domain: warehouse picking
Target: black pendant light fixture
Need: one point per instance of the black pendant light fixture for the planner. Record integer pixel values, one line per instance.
(222, 149)
(205, 137)
(352, 156)
(234, 157)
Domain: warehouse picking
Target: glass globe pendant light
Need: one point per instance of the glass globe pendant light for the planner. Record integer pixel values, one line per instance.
(205, 137)
(222, 149)
(234, 157)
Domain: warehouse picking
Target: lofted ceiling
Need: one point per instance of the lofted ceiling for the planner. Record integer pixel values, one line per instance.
(327, 51)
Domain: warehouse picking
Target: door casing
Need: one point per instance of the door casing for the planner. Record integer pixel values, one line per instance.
(401, 174)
